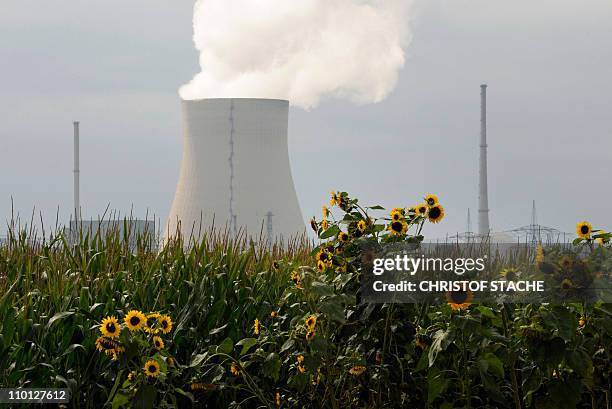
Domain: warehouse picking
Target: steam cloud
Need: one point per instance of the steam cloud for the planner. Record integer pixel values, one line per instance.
(299, 50)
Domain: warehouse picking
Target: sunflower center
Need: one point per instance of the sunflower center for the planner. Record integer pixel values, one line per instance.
(152, 368)
(164, 324)
(459, 297)
(110, 327)
(134, 321)
(584, 229)
(396, 226)
(434, 212)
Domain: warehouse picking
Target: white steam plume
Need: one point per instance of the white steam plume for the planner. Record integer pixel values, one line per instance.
(299, 50)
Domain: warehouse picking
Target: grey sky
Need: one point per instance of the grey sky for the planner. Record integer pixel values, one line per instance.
(116, 67)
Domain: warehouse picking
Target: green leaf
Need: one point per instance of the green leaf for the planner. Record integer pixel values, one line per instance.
(496, 366)
(287, 345)
(246, 344)
(120, 400)
(377, 207)
(271, 366)
(218, 330)
(486, 311)
(226, 346)
(436, 384)
(331, 232)
(322, 289)
(59, 316)
(145, 397)
(333, 310)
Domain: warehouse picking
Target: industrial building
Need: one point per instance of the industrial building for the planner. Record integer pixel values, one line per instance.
(235, 172)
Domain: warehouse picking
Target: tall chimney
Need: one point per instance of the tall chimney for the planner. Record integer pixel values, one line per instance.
(483, 195)
(77, 200)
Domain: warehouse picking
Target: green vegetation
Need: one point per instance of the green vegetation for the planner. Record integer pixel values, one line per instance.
(252, 325)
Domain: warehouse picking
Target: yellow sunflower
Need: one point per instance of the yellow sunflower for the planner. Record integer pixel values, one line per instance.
(300, 364)
(134, 320)
(539, 258)
(601, 241)
(321, 266)
(422, 209)
(325, 224)
(311, 322)
(325, 257)
(333, 199)
(313, 224)
(325, 212)
(310, 335)
(435, 214)
(361, 226)
(295, 277)
(131, 376)
(152, 368)
(398, 228)
(343, 237)
(431, 200)
(256, 326)
(357, 370)
(158, 342)
(277, 399)
(110, 327)
(396, 216)
(151, 325)
(105, 345)
(459, 300)
(234, 369)
(166, 324)
(341, 269)
(510, 274)
(273, 314)
(584, 230)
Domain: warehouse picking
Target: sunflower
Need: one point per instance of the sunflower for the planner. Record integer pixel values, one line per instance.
(341, 269)
(567, 284)
(158, 342)
(311, 322)
(151, 368)
(170, 361)
(325, 224)
(134, 320)
(566, 262)
(234, 369)
(256, 326)
(295, 277)
(509, 274)
(321, 266)
(317, 378)
(313, 224)
(324, 257)
(422, 209)
(431, 200)
(398, 228)
(584, 229)
(361, 226)
(152, 323)
(110, 327)
(601, 241)
(310, 335)
(106, 345)
(581, 322)
(333, 199)
(343, 237)
(166, 324)
(459, 300)
(422, 341)
(273, 314)
(435, 214)
(131, 376)
(300, 364)
(357, 370)
(277, 399)
(397, 215)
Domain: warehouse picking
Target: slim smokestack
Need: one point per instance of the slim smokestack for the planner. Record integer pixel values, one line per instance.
(483, 195)
(77, 187)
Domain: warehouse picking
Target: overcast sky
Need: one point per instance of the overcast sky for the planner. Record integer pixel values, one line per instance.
(116, 66)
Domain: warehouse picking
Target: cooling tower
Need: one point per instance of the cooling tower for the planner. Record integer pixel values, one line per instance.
(235, 170)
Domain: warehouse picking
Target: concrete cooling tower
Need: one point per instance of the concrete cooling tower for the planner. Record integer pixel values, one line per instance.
(235, 170)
